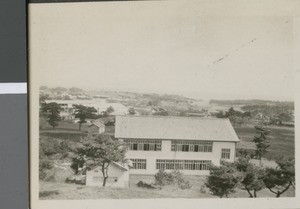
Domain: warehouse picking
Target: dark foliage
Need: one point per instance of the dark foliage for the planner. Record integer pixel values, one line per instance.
(261, 141)
(222, 180)
(164, 178)
(52, 112)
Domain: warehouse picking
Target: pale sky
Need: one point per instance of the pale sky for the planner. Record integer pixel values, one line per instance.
(200, 49)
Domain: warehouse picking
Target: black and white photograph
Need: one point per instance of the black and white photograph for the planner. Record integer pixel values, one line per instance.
(162, 101)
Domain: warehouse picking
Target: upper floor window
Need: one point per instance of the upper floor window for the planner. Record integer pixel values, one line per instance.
(144, 145)
(225, 154)
(191, 146)
(139, 163)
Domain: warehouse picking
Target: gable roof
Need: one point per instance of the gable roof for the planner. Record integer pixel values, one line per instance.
(180, 128)
(121, 165)
(99, 123)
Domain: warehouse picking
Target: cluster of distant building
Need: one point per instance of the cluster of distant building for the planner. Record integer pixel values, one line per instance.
(67, 113)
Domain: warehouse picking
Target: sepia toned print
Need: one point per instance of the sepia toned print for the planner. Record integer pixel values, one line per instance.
(165, 99)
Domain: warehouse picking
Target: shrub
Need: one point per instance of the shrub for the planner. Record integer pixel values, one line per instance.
(164, 178)
(44, 166)
(278, 180)
(222, 180)
(242, 163)
(245, 153)
(252, 180)
(202, 189)
(184, 184)
(50, 146)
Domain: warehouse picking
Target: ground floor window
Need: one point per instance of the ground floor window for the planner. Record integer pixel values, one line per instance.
(139, 163)
(225, 154)
(182, 164)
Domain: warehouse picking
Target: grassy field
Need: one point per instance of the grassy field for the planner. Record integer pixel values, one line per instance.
(68, 130)
(59, 190)
(282, 141)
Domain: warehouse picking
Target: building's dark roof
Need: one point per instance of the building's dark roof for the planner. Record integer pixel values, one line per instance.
(180, 128)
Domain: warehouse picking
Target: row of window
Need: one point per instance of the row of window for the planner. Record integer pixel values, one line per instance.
(173, 164)
(181, 146)
(139, 163)
(179, 164)
(182, 164)
(145, 145)
(191, 146)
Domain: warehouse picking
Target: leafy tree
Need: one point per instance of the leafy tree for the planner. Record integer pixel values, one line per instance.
(235, 117)
(252, 180)
(261, 141)
(285, 117)
(222, 180)
(78, 163)
(243, 162)
(107, 112)
(230, 112)
(287, 165)
(280, 178)
(131, 111)
(101, 150)
(43, 98)
(52, 112)
(82, 112)
(247, 114)
(221, 114)
(110, 110)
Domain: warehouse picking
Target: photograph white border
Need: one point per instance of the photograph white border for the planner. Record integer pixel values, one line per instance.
(170, 203)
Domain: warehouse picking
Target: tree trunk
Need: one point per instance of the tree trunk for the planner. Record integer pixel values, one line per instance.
(104, 181)
(255, 193)
(79, 126)
(105, 173)
(281, 192)
(260, 163)
(250, 194)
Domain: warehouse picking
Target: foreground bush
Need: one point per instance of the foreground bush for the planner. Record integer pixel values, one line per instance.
(164, 178)
(45, 165)
(222, 180)
(50, 146)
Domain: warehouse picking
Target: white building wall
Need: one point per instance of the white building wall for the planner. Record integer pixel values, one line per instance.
(166, 153)
(95, 177)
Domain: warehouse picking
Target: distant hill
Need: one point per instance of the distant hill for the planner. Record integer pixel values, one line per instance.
(250, 102)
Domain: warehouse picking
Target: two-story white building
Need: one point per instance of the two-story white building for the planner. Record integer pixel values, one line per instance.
(187, 144)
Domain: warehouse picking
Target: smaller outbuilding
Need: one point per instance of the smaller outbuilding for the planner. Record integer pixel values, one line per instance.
(118, 176)
(96, 127)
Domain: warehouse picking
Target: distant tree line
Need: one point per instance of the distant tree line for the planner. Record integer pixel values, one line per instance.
(52, 113)
(235, 117)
